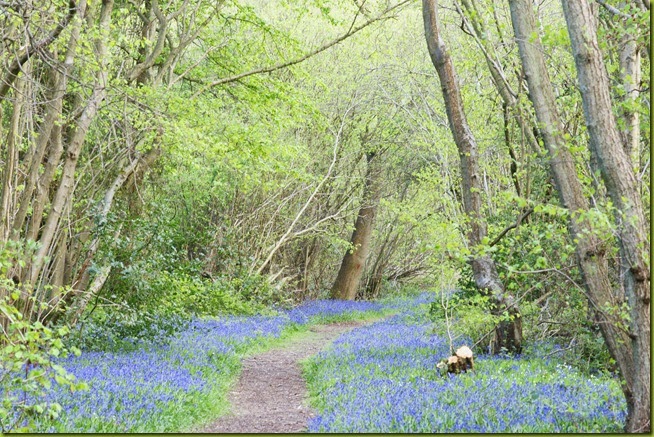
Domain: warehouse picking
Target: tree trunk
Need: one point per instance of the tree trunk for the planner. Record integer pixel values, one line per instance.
(52, 115)
(55, 151)
(11, 161)
(621, 185)
(508, 334)
(590, 250)
(347, 282)
(630, 73)
(66, 186)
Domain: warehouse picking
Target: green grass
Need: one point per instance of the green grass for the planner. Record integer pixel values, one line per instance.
(383, 378)
(214, 405)
(182, 384)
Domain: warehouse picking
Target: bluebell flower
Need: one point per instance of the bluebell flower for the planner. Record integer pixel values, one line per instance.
(381, 378)
(128, 389)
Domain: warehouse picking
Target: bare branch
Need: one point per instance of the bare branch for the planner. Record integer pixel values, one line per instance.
(512, 226)
(284, 238)
(612, 9)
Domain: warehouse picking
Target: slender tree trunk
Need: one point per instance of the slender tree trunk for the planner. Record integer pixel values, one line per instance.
(512, 154)
(349, 275)
(49, 131)
(630, 72)
(621, 184)
(590, 250)
(508, 334)
(55, 151)
(52, 115)
(65, 189)
(11, 161)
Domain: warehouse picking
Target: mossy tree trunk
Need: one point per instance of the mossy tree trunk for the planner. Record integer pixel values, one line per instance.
(508, 333)
(617, 172)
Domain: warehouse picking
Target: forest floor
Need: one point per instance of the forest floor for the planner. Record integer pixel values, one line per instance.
(271, 395)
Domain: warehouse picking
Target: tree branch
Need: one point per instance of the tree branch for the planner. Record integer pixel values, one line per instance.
(284, 237)
(612, 9)
(18, 63)
(320, 49)
(512, 226)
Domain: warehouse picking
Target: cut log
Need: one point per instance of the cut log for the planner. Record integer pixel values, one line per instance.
(465, 358)
(453, 365)
(461, 361)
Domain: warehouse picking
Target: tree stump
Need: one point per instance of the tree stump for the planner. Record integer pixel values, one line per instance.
(461, 361)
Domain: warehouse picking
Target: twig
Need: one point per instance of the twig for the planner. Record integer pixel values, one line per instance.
(445, 305)
(512, 226)
(612, 9)
(320, 49)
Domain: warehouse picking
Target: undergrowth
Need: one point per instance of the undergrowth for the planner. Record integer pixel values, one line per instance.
(383, 378)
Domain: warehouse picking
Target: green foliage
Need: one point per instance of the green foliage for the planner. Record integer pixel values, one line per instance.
(126, 330)
(466, 281)
(469, 316)
(27, 366)
(563, 320)
(184, 294)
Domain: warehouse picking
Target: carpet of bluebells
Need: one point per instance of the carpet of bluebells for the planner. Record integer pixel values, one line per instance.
(377, 378)
(383, 378)
(134, 391)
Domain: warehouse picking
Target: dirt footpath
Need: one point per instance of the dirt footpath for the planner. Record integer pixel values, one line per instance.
(271, 395)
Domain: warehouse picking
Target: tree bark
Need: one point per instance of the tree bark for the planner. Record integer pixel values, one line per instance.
(53, 114)
(589, 249)
(508, 333)
(349, 275)
(55, 151)
(65, 189)
(621, 184)
(11, 161)
(630, 73)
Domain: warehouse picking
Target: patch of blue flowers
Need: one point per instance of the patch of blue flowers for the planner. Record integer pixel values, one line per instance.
(329, 308)
(130, 391)
(383, 378)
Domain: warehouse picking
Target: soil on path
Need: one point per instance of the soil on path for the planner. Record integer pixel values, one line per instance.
(271, 395)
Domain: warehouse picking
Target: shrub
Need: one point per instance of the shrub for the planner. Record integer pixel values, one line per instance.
(27, 369)
(468, 317)
(182, 293)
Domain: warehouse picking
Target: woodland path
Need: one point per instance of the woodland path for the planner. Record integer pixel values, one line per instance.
(271, 395)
